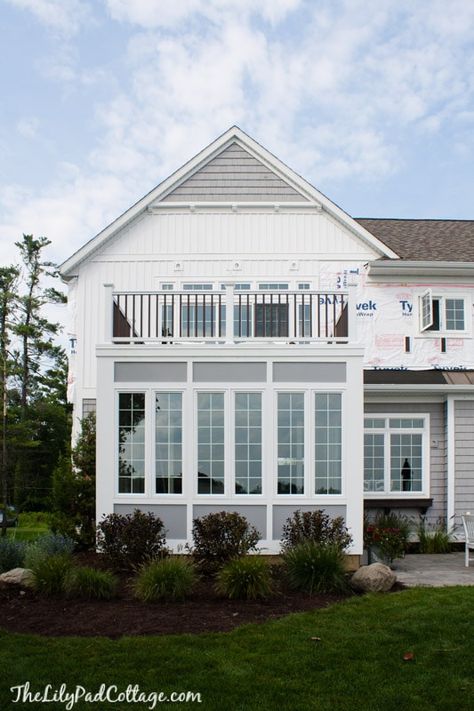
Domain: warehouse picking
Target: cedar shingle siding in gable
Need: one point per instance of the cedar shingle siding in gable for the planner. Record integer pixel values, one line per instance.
(425, 240)
(234, 175)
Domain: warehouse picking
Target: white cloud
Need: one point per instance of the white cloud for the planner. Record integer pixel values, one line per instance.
(335, 97)
(27, 126)
(64, 16)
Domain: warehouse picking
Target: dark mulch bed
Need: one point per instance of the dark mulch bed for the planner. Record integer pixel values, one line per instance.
(204, 611)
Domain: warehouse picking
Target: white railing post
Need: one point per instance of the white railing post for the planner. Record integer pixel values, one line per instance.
(108, 327)
(352, 314)
(229, 313)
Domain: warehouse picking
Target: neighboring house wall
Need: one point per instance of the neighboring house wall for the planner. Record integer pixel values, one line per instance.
(464, 457)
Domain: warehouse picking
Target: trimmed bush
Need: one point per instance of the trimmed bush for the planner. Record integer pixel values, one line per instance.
(90, 584)
(50, 573)
(12, 554)
(246, 578)
(219, 537)
(165, 579)
(130, 540)
(315, 526)
(313, 568)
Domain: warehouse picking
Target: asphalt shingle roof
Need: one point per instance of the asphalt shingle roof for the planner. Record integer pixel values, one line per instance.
(425, 240)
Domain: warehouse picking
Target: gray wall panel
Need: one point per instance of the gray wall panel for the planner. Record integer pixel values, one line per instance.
(281, 513)
(235, 175)
(309, 372)
(172, 515)
(464, 457)
(150, 372)
(229, 372)
(255, 514)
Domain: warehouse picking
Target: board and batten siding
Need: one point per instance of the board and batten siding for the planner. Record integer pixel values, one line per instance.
(234, 175)
(438, 453)
(464, 457)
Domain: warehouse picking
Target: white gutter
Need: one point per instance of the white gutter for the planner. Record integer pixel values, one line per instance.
(445, 388)
(407, 268)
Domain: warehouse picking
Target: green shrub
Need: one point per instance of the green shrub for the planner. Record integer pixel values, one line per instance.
(50, 573)
(165, 579)
(44, 546)
(313, 568)
(434, 540)
(90, 584)
(315, 526)
(219, 537)
(246, 578)
(129, 540)
(389, 534)
(12, 554)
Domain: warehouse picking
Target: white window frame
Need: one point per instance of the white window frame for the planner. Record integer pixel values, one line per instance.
(146, 491)
(425, 452)
(154, 392)
(425, 328)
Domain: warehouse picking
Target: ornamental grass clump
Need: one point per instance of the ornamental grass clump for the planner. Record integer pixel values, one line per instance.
(313, 568)
(246, 578)
(168, 579)
(315, 526)
(90, 584)
(50, 573)
(220, 537)
(435, 539)
(12, 554)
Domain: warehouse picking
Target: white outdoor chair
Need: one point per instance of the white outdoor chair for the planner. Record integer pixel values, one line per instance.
(468, 523)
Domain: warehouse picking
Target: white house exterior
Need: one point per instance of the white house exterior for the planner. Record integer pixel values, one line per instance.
(223, 329)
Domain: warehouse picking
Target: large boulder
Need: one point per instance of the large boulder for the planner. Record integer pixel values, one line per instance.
(373, 578)
(18, 576)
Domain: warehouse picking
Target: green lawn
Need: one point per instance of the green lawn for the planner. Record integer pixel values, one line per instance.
(30, 527)
(357, 666)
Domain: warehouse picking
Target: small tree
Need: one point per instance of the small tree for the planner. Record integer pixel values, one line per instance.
(73, 497)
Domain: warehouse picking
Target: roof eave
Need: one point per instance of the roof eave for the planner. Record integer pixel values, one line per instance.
(406, 268)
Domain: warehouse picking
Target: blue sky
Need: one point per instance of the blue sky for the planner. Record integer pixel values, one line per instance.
(371, 101)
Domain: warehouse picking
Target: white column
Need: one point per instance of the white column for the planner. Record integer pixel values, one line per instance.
(229, 313)
(106, 443)
(451, 461)
(353, 431)
(108, 313)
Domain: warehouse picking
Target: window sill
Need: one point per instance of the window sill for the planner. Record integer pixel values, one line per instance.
(398, 503)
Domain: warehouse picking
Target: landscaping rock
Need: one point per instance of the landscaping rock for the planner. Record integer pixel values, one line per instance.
(373, 578)
(18, 576)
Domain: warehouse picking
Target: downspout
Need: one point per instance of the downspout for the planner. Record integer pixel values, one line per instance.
(450, 462)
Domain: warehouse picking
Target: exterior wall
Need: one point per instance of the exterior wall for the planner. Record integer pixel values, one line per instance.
(234, 175)
(181, 247)
(464, 457)
(267, 510)
(438, 453)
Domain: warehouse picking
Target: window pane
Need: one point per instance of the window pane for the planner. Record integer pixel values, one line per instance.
(168, 437)
(374, 422)
(406, 423)
(406, 462)
(271, 320)
(131, 443)
(211, 443)
(455, 314)
(248, 443)
(328, 443)
(374, 462)
(290, 443)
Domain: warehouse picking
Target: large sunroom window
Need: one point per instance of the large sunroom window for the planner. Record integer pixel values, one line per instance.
(290, 443)
(395, 454)
(328, 443)
(168, 443)
(248, 443)
(131, 443)
(210, 414)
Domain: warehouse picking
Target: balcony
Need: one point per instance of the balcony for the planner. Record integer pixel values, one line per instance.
(230, 316)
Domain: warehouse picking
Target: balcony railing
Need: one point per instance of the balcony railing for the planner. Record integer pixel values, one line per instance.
(230, 316)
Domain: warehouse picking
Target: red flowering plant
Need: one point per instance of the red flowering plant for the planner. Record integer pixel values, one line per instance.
(388, 534)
